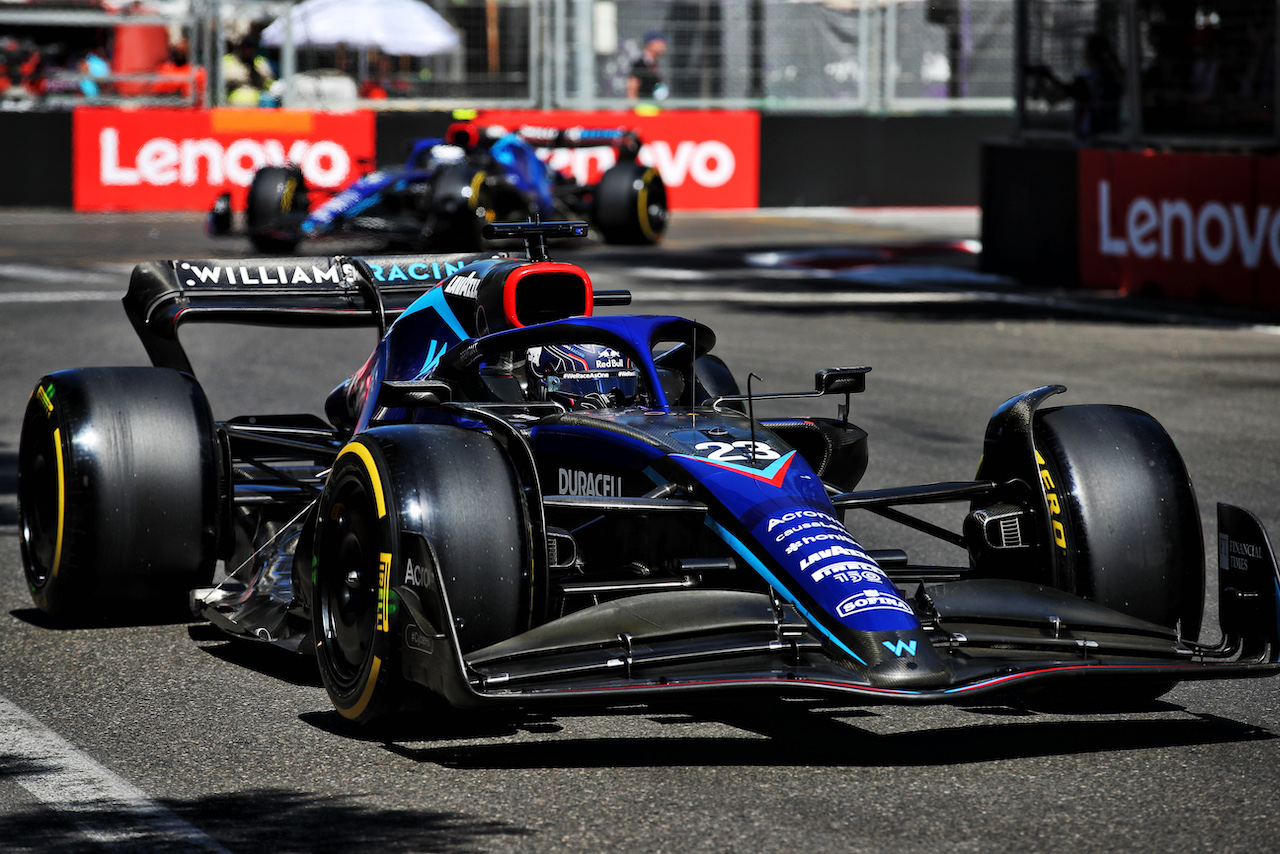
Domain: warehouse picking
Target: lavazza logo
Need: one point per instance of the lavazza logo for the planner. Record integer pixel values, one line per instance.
(160, 161)
(1173, 230)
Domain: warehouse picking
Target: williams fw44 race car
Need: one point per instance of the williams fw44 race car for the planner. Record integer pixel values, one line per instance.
(516, 502)
(450, 188)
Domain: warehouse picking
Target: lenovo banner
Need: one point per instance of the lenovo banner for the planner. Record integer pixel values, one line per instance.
(1187, 226)
(181, 160)
(706, 159)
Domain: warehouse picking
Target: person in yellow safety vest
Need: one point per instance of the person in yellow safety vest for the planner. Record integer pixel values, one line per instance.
(246, 75)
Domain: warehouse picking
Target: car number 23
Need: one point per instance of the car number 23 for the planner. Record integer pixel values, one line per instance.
(727, 452)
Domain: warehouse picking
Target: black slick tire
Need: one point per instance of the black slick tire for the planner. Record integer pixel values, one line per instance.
(277, 199)
(392, 488)
(1124, 522)
(118, 487)
(631, 204)
(461, 205)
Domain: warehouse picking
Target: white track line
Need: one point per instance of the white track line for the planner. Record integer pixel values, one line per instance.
(38, 273)
(106, 808)
(60, 296)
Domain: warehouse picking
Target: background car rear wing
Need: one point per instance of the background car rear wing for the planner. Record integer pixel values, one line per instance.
(334, 291)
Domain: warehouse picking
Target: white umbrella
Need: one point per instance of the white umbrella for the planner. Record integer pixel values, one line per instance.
(396, 27)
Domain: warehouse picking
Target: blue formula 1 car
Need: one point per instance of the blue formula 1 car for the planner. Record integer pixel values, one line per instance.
(451, 187)
(517, 503)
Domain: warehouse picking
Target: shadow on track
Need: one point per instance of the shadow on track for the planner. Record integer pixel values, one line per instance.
(822, 739)
(259, 657)
(8, 488)
(263, 820)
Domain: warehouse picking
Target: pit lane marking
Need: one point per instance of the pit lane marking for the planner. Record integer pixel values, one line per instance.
(106, 808)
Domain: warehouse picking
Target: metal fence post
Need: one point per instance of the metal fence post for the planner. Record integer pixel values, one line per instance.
(1133, 75)
(1021, 19)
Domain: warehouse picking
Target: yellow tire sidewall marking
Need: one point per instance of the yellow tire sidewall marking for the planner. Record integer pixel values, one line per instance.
(642, 203)
(476, 181)
(383, 623)
(62, 495)
(361, 704)
(371, 469)
(1050, 491)
(384, 592)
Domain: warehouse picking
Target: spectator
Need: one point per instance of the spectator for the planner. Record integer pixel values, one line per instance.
(247, 75)
(645, 81)
(1097, 90)
(177, 68)
(94, 66)
(375, 87)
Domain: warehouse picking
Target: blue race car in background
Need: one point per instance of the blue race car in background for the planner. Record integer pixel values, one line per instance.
(518, 503)
(451, 187)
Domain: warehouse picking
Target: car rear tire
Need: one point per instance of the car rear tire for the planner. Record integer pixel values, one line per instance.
(631, 204)
(118, 487)
(277, 200)
(392, 486)
(462, 204)
(1124, 522)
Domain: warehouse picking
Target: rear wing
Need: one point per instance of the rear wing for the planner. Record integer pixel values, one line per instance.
(335, 291)
(578, 136)
(468, 135)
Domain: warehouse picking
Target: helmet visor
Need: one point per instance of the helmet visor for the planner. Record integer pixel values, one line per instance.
(579, 384)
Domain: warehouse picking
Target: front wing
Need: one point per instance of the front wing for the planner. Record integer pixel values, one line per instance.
(996, 636)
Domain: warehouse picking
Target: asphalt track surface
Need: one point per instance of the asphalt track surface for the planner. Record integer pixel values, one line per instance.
(165, 737)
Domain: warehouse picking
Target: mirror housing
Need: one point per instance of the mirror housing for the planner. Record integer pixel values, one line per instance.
(841, 380)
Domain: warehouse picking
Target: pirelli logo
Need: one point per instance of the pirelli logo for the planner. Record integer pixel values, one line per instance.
(46, 398)
(384, 592)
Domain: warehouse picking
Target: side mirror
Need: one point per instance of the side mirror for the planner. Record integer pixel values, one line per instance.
(841, 380)
(414, 393)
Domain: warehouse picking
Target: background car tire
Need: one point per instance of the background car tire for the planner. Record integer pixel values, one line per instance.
(631, 204)
(277, 201)
(456, 490)
(1127, 532)
(461, 205)
(118, 486)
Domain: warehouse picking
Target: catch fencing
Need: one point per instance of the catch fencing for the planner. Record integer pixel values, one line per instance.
(773, 55)
(836, 56)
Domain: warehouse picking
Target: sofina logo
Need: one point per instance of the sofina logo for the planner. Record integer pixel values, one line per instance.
(871, 600)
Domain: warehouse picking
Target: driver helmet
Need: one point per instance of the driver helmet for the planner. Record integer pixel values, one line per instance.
(582, 376)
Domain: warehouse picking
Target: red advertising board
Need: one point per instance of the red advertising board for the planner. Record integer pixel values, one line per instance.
(180, 160)
(707, 159)
(1188, 226)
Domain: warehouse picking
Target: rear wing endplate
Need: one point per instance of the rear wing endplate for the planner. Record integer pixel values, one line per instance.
(335, 291)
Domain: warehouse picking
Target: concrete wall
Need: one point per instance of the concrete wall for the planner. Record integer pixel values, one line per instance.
(35, 160)
(874, 160)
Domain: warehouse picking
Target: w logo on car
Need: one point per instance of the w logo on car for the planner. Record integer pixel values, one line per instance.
(897, 647)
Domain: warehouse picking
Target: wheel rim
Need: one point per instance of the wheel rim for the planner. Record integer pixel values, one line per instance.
(347, 581)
